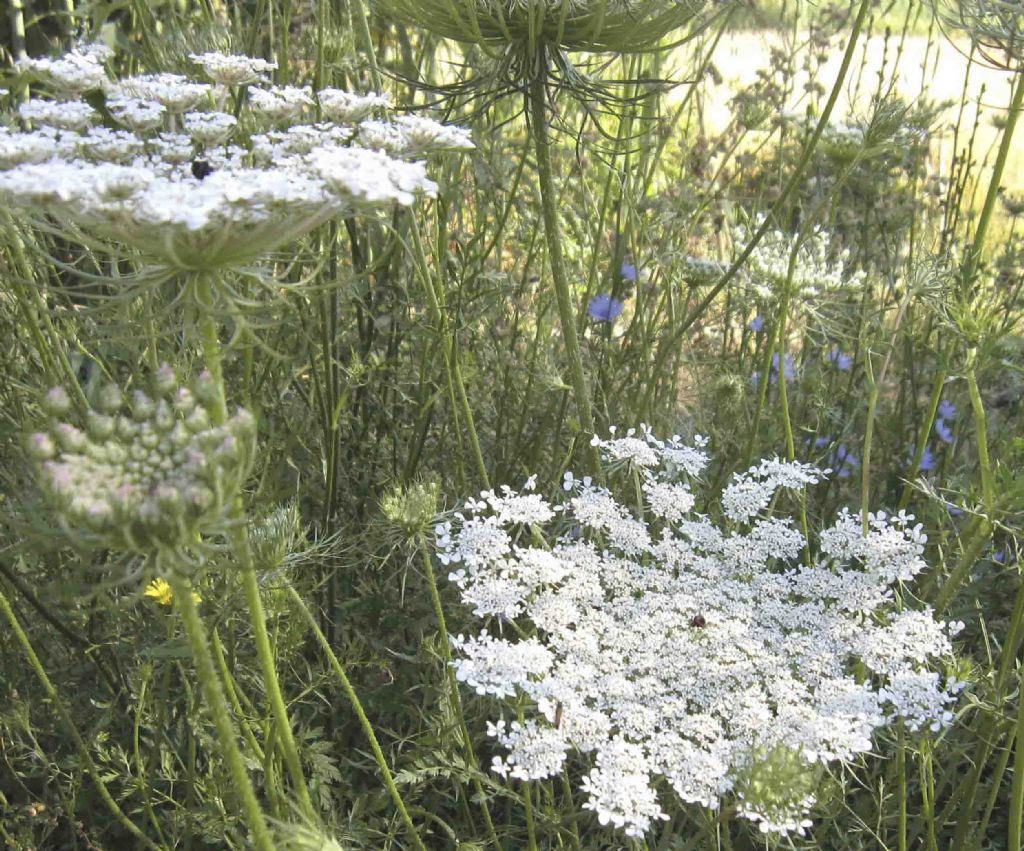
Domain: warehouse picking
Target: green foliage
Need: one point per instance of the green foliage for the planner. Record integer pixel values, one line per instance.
(377, 356)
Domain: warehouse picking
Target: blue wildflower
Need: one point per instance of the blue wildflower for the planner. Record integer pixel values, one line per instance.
(628, 271)
(788, 368)
(947, 410)
(999, 556)
(756, 324)
(605, 308)
(927, 459)
(944, 432)
(844, 462)
(841, 360)
(841, 460)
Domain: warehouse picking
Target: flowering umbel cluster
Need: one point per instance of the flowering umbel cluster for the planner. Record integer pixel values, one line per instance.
(202, 175)
(144, 474)
(714, 656)
(815, 271)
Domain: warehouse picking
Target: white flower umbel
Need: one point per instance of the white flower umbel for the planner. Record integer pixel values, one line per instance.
(76, 72)
(717, 657)
(209, 128)
(168, 185)
(815, 271)
(26, 148)
(233, 70)
(280, 104)
(173, 92)
(349, 107)
(136, 113)
(64, 115)
(412, 136)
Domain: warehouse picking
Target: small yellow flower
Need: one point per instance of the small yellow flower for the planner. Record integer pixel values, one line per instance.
(161, 591)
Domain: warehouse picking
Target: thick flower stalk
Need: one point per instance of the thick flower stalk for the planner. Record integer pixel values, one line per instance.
(144, 474)
(666, 645)
(196, 184)
(528, 42)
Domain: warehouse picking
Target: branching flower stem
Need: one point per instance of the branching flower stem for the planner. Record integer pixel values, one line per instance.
(974, 255)
(213, 692)
(453, 690)
(457, 386)
(670, 345)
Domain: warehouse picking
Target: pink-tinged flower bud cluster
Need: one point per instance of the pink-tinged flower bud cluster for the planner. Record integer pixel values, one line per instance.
(146, 472)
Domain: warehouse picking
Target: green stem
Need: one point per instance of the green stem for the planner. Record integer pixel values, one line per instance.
(973, 258)
(981, 429)
(977, 536)
(869, 431)
(531, 830)
(65, 717)
(922, 438)
(232, 696)
(455, 697)
(143, 780)
(217, 704)
(901, 769)
(450, 350)
(1017, 786)
(239, 538)
(364, 721)
(552, 230)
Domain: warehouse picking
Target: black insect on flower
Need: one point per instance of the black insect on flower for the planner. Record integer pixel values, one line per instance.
(201, 169)
(698, 621)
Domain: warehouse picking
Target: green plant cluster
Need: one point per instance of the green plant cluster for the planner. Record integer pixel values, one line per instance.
(591, 263)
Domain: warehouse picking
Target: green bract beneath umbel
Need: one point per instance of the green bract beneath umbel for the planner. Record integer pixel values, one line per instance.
(595, 26)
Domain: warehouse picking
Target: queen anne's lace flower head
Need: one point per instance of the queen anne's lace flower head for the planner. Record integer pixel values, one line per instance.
(349, 107)
(413, 136)
(233, 70)
(718, 657)
(815, 271)
(143, 474)
(76, 72)
(186, 184)
(174, 92)
(209, 128)
(64, 115)
(281, 104)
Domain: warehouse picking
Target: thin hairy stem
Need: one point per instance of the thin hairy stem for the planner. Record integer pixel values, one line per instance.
(364, 721)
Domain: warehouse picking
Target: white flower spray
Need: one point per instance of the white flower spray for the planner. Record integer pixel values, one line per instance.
(716, 657)
(195, 184)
